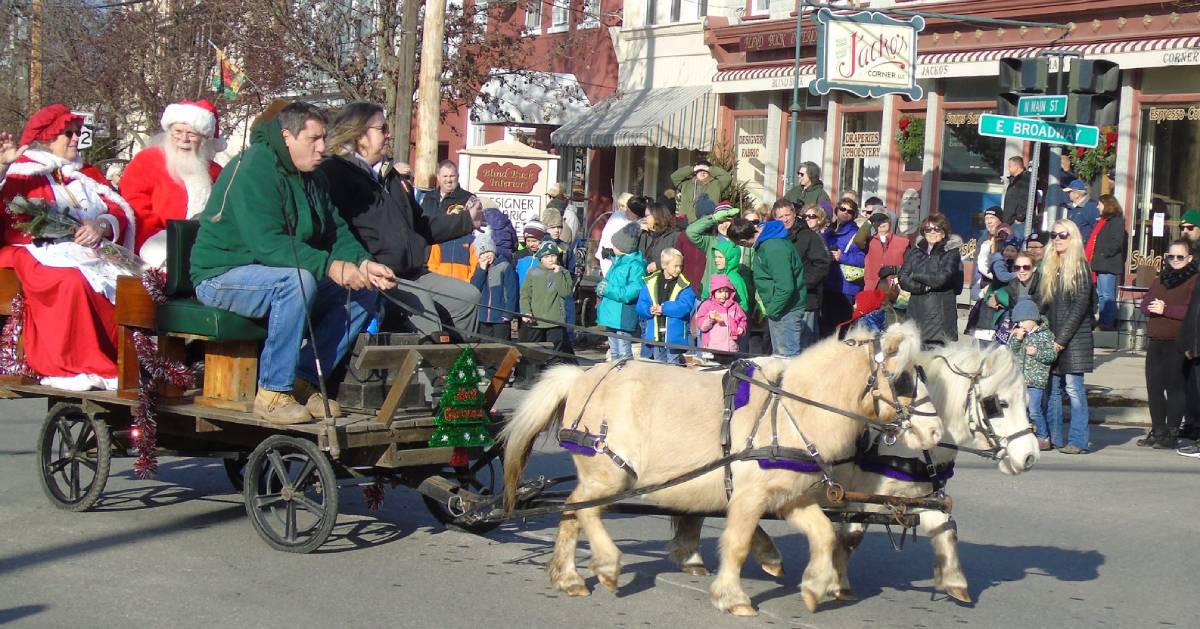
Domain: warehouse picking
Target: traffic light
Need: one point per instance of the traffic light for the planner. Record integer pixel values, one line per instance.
(1020, 77)
(1095, 85)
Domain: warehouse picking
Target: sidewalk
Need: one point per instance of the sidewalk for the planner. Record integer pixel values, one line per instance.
(1117, 388)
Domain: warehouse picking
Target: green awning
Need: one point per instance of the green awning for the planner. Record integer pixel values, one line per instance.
(670, 117)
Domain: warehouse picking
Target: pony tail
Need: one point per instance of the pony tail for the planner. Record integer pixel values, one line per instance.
(541, 409)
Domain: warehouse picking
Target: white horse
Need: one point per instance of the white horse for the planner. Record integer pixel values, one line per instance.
(650, 423)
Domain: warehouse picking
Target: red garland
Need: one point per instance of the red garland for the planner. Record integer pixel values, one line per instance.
(373, 495)
(11, 361)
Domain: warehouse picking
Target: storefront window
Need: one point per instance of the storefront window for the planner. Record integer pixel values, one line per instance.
(861, 164)
(972, 177)
(1166, 182)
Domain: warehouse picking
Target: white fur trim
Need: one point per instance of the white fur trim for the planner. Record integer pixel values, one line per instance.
(199, 119)
(44, 164)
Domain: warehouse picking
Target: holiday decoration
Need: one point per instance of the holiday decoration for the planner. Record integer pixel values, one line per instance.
(12, 362)
(373, 495)
(1090, 163)
(910, 138)
(34, 218)
(461, 419)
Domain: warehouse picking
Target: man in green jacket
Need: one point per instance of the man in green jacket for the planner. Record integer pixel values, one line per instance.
(272, 245)
(693, 181)
(809, 189)
(778, 280)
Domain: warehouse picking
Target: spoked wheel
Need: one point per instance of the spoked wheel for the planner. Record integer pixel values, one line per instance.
(74, 453)
(291, 494)
(483, 477)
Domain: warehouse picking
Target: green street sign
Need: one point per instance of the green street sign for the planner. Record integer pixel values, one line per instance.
(1042, 106)
(1039, 131)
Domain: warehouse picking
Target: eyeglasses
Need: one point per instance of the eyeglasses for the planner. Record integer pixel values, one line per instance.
(932, 229)
(1171, 257)
(383, 127)
(1023, 267)
(1187, 228)
(812, 217)
(1062, 235)
(189, 135)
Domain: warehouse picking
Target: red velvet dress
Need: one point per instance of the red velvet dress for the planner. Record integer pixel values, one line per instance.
(69, 311)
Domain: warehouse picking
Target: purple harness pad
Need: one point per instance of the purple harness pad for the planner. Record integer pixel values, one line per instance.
(806, 467)
(896, 474)
(577, 448)
(742, 396)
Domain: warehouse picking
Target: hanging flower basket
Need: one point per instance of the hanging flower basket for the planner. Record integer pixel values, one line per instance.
(910, 138)
(1091, 163)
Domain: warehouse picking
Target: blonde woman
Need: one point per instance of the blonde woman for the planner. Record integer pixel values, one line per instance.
(1065, 294)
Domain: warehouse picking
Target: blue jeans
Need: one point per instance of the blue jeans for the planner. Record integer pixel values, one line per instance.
(1073, 383)
(786, 332)
(661, 354)
(1106, 299)
(1036, 412)
(809, 332)
(258, 291)
(619, 348)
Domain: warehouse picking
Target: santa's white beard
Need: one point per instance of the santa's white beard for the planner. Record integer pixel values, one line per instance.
(191, 169)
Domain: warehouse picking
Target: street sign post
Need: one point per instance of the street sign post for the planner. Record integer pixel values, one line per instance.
(87, 133)
(1039, 131)
(1042, 106)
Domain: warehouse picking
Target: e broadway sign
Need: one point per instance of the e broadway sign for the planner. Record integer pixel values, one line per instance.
(868, 54)
(1039, 131)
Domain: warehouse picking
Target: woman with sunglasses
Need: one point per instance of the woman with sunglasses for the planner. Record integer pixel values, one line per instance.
(1065, 295)
(70, 335)
(845, 278)
(1165, 306)
(932, 274)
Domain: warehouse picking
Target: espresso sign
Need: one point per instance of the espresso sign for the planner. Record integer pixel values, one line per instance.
(507, 177)
(868, 54)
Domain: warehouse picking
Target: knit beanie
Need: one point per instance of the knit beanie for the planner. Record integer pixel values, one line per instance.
(1025, 310)
(484, 243)
(534, 229)
(548, 248)
(625, 240)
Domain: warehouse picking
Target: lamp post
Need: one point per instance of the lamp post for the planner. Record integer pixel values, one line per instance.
(797, 107)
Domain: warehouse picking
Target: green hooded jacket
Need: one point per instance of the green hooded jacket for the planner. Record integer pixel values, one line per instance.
(733, 269)
(243, 223)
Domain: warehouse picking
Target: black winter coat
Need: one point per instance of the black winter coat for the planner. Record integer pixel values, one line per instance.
(1189, 334)
(811, 247)
(935, 278)
(1070, 318)
(386, 219)
(651, 244)
(433, 206)
(1016, 199)
(1108, 256)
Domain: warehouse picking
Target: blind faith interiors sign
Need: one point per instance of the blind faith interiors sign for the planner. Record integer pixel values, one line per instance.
(508, 177)
(868, 54)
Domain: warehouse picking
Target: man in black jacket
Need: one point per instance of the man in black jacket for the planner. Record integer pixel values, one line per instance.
(386, 219)
(813, 252)
(1016, 195)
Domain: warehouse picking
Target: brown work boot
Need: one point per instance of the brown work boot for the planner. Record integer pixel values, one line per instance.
(279, 407)
(311, 396)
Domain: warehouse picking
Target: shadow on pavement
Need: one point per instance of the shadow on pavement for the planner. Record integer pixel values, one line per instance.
(13, 614)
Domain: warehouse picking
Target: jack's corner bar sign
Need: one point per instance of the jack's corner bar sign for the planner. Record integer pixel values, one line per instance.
(868, 54)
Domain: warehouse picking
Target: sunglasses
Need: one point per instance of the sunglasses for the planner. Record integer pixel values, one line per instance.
(1187, 228)
(1171, 257)
(845, 209)
(71, 133)
(1023, 267)
(1062, 235)
(932, 229)
(812, 217)
(756, 223)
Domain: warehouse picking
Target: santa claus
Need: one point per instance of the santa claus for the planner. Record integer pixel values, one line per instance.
(172, 178)
(70, 290)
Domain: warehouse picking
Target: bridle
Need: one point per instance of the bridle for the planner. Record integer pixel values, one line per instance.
(980, 415)
(900, 385)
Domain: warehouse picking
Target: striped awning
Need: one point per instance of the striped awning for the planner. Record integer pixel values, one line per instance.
(1130, 53)
(670, 117)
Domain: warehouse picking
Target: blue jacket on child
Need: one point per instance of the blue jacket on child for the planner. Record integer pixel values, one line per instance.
(497, 287)
(622, 286)
(677, 310)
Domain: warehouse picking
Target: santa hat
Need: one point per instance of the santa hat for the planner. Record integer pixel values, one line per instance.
(200, 115)
(48, 123)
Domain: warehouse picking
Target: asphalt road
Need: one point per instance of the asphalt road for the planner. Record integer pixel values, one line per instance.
(1103, 540)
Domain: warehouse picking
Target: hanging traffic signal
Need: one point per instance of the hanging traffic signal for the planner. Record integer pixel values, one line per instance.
(1095, 86)
(1020, 77)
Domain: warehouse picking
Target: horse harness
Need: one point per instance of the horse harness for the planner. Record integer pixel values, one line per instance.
(980, 416)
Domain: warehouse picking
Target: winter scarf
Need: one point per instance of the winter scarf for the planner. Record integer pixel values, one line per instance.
(1172, 277)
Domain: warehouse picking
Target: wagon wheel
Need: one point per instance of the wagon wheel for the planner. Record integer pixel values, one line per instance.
(484, 477)
(74, 453)
(291, 494)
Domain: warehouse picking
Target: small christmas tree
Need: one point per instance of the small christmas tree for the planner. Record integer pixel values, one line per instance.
(461, 419)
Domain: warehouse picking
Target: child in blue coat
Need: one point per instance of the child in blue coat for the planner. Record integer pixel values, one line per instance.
(619, 291)
(666, 305)
(496, 280)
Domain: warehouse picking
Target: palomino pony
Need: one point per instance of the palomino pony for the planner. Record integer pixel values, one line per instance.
(980, 395)
(652, 423)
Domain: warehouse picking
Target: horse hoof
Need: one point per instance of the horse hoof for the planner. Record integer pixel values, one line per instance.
(811, 600)
(608, 582)
(846, 594)
(959, 594)
(577, 590)
(773, 569)
(696, 570)
(743, 609)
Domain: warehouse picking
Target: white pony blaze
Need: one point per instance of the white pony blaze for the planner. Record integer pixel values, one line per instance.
(665, 421)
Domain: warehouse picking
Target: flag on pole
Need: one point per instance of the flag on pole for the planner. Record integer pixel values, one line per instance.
(229, 77)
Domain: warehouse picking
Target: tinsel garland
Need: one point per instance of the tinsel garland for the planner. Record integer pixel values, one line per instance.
(11, 361)
(373, 495)
(152, 370)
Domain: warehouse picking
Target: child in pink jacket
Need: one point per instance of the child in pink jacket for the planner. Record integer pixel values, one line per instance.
(720, 319)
